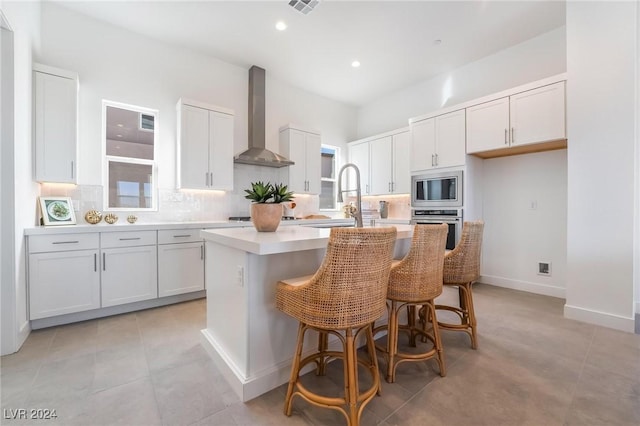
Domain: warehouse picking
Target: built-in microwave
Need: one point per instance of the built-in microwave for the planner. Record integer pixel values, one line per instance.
(437, 189)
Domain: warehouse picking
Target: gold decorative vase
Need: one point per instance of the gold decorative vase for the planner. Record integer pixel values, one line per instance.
(266, 216)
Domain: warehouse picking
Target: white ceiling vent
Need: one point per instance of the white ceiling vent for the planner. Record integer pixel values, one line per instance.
(304, 6)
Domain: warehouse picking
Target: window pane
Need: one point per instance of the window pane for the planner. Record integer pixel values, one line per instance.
(130, 185)
(328, 163)
(327, 195)
(129, 133)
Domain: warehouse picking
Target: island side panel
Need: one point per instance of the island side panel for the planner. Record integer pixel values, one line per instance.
(272, 333)
(227, 307)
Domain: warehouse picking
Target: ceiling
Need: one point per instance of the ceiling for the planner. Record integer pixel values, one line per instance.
(395, 41)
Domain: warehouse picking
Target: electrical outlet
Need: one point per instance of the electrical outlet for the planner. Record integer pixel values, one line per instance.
(544, 268)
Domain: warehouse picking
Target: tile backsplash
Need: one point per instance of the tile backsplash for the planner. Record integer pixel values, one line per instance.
(188, 205)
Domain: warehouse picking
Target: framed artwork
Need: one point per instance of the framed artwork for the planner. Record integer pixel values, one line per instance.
(57, 211)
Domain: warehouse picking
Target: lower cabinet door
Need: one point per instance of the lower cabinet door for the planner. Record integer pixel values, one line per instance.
(129, 274)
(180, 268)
(63, 282)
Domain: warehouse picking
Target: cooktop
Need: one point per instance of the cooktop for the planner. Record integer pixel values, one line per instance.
(248, 218)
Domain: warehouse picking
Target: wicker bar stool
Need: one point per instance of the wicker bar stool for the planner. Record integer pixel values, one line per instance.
(343, 298)
(415, 280)
(462, 269)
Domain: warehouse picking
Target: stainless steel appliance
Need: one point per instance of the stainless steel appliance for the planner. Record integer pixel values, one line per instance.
(452, 217)
(437, 190)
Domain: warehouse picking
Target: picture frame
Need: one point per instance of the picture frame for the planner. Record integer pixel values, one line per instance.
(56, 211)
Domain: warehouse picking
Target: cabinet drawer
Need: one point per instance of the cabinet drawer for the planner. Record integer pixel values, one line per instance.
(127, 239)
(62, 242)
(171, 236)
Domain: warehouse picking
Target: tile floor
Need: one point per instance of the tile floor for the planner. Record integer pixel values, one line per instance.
(533, 367)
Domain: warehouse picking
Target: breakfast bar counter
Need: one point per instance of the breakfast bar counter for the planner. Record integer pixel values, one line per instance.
(251, 341)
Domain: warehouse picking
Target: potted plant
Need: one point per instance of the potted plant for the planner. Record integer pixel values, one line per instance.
(266, 208)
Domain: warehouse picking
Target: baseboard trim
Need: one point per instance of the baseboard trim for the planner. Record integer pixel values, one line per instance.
(536, 288)
(603, 319)
(115, 310)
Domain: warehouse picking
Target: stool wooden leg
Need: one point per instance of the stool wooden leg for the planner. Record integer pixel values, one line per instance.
(392, 341)
(323, 345)
(371, 349)
(437, 341)
(473, 324)
(295, 367)
(351, 386)
(411, 323)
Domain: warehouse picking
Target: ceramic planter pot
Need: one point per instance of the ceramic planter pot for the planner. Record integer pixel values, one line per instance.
(266, 216)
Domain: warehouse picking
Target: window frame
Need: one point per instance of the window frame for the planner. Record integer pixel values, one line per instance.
(337, 166)
(106, 159)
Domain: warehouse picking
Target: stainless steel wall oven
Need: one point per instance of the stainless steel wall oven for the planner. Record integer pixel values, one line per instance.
(452, 217)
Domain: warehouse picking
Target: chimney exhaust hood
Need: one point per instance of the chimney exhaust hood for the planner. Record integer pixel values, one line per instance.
(257, 154)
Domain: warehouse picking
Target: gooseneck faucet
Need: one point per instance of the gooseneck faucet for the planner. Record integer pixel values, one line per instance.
(358, 213)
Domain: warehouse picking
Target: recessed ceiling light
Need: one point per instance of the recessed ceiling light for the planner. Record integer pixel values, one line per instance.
(120, 125)
(437, 41)
(355, 64)
(119, 136)
(281, 26)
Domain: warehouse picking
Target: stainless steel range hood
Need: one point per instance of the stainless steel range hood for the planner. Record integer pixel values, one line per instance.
(257, 154)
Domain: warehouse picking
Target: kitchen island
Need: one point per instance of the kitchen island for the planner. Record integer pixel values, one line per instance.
(251, 342)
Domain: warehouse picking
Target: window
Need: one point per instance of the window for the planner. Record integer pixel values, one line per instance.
(328, 176)
(129, 147)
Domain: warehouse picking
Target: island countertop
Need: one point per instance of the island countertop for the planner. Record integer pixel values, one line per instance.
(284, 240)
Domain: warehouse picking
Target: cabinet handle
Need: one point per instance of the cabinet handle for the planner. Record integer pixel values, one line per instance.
(201, 252)
(95, 262)
(367, 188)
(506, 136)
(513, 139)
(71, 169)
(206, 179)
(390, 190)
(182, 236)
(129, 239)
(436, 159)
(65, 242)
(104, 262)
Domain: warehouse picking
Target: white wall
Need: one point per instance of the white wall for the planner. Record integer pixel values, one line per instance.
(602, 119)
(517, 236)
(24, 19)
(540, 57)
(122, 66)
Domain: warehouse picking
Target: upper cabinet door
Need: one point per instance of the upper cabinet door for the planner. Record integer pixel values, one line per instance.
(220, 151)
(193, 148)
(423, 145)
(314, 163)
(205, 146)
(55, 125)
(358, 155)
(401, 163)
(488, 126)
(538, 115)
(381, 157)
(296, 151)
(450, 139)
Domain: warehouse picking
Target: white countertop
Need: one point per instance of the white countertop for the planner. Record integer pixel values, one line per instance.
(123, 225)
(285, 239)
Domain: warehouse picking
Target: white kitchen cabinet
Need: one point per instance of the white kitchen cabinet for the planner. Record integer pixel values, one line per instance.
(55, 124)
(303, 147)
(359, 155)
(63, 274)
(525, 118)
(129, 267)
(438, 141)
(180, 262)
(389, 158)
(205, 146)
